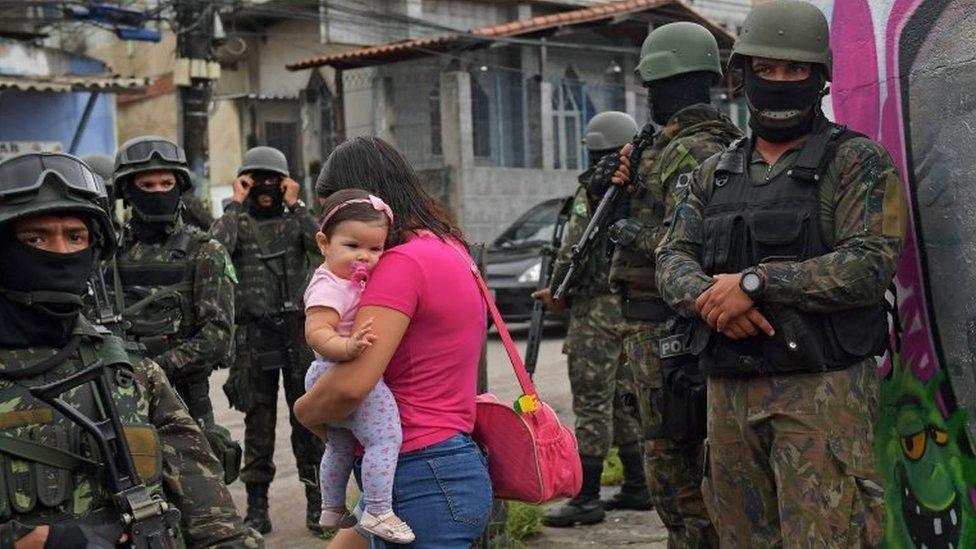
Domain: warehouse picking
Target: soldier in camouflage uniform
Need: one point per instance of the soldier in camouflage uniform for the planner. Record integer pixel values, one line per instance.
(53, 230)
(173, 283)
(601, 384)
(270, 235)
(679, 65)
(782, 248)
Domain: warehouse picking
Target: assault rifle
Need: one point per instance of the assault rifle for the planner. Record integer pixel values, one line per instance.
(548, 254)
(601, 216)
(148, 520)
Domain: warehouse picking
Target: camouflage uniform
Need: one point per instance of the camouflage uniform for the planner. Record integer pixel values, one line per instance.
(169, 451)
(790, 454)
(270, 334)
(673, 469)
(197, 334)
(594, 347)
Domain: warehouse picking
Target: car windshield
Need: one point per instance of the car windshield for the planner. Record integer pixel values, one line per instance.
(533, 228)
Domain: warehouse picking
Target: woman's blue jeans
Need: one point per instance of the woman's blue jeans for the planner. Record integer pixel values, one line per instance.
(443, 492)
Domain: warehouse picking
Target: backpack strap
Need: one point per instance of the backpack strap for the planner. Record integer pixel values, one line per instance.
(818, 151)
(732, 162)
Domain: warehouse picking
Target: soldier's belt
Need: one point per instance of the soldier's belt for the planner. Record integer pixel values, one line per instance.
(650, 310)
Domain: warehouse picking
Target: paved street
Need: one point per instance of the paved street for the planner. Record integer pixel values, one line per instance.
(288, 501)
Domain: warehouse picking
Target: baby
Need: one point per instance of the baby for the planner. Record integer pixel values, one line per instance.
(351, 240)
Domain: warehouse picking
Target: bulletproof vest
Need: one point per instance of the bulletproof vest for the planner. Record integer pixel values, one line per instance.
(52, 469)
(157, 285)
(273, 267)
(631, 269)
(746, 224)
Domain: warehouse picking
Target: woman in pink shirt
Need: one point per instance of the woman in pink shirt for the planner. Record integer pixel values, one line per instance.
(430, 322)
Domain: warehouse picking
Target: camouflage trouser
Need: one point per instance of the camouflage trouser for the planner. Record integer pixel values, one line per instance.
(673, 470)
(598, 377)
(261, 416)
(791, 462)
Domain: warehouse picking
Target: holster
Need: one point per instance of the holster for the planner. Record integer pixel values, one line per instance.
(684, 398)
(647, 310)
(227, 450)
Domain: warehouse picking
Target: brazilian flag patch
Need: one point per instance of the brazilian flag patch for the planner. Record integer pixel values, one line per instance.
(580, 208)
(229, 269)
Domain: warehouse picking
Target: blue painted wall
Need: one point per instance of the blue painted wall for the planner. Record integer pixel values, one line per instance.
(34, 116)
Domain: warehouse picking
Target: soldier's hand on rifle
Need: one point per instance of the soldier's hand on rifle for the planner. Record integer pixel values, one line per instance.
(545, 296)
(603, 173)
(73, 535)
(361, 339)
(621, 177)
(290, 188)
(242, 186)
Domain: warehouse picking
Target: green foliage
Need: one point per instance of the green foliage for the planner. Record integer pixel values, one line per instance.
(613, 471)
(524, 522)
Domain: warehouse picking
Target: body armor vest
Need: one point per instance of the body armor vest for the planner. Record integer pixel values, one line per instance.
(745, 225)
(273, 267)
(158, 292)
(51, 467)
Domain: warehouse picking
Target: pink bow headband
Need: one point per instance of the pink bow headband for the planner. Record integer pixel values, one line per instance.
(374, 201)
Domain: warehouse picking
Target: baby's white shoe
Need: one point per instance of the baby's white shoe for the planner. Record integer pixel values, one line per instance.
(387, 526)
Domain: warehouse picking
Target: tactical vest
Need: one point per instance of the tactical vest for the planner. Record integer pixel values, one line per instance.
(746, 224)
(52, 469)
(272, 267)
(158, 292)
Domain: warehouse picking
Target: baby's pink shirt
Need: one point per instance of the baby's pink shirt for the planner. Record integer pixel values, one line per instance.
(328, 290)
(434, 372)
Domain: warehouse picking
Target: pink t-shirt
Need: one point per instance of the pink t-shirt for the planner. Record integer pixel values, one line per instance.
(434, 372)
(328, 290)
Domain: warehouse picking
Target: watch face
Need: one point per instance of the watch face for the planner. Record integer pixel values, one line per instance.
(750, 282)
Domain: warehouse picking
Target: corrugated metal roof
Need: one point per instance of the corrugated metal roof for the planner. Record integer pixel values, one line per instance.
(422, 47)
(73, 83)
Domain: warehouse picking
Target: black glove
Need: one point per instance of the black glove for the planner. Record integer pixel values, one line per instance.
(70, 535)
(602, 174)
(624, 232)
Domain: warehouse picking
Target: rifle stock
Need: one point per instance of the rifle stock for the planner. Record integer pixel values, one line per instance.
(549, 254)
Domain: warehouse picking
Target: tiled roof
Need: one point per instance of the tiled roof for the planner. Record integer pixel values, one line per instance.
(421, 47)
(72, 83)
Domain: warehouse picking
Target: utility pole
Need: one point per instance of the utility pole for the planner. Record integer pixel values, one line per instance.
(195, 71)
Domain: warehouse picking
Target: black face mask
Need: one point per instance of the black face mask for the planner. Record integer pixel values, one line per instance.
(54, 283)
(277, 199)
(668, 96)
(153, 214)
(782, 111)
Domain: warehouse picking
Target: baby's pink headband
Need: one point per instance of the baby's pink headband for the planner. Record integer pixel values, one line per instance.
(374, 201)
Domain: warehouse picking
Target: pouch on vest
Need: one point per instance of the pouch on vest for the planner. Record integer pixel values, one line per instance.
(54, 484)
(683, 402)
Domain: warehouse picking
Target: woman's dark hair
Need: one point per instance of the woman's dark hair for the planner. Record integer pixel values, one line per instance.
(371, 164)
(359, 211)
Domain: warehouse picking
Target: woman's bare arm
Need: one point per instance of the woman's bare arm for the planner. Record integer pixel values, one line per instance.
(341, 388)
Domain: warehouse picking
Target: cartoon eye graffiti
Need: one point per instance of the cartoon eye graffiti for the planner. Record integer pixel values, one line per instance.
(940, 437)
(914, 445)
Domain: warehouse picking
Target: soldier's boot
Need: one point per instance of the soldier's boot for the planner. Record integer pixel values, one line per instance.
(586, 507)
(257, 508)
(313, 509)
(633, 493)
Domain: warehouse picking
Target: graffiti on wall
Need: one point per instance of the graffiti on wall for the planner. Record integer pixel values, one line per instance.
(905, 74)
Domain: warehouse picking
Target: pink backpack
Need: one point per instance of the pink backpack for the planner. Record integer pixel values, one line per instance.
(532, 457)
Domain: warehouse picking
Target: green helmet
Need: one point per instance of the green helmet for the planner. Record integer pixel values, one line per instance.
(785, 29)
(39, 183)
(149, 153)
(678, 48)
(609, 131)
(267, 159)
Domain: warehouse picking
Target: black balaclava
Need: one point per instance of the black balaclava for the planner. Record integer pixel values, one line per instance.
(261, 188)
(153, 214)
(667, 96)
(25, 270)
(782, 111)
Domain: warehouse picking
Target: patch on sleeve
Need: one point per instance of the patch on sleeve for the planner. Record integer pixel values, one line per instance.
(581, 208)
(895, 208)
(229, 270)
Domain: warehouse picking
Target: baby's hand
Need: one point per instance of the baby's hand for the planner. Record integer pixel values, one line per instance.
(361, 339)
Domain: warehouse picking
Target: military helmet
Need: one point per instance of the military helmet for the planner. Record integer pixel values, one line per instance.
(44, 182)
(149, 153)
(102, 165)
(267, 159)
(609, 131)
(678, 48)
(791, 30)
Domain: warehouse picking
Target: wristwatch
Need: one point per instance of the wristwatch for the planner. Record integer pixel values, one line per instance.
(752, 283)
(298, 204)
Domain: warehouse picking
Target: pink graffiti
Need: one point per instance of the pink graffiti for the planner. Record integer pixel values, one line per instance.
(863, 103)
